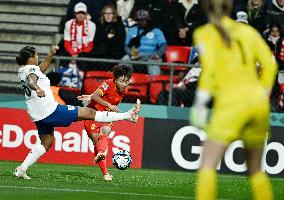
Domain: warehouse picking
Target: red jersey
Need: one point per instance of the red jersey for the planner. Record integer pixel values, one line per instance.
(109, 93)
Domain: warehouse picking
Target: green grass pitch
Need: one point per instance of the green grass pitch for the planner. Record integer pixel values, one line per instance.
(68, 182)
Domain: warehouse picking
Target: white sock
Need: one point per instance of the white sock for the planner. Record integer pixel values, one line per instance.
(104, 116)
(36, 152)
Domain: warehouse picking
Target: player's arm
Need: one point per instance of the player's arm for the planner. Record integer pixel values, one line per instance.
(199, 111)
(45, 64)
(266, 59)
(32, 83)
(206, 48)
(97, 97)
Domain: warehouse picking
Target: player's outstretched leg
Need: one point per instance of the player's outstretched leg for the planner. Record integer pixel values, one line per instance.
(85, 113)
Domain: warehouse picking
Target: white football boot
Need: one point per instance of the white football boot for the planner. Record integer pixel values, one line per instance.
(20, 173)
(134, 111)
(107, 177)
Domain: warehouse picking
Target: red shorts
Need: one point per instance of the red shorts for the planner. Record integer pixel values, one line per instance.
(94, 127)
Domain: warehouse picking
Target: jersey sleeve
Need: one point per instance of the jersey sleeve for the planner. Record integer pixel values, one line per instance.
(104, 88)
(206, 54)
(267, 61)
(34, 70)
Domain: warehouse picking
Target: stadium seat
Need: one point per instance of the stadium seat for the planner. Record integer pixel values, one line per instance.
(159, 83)
(177, 54)
(93, 79)
(138, 87)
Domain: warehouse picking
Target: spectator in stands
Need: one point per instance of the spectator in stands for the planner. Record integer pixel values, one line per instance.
(188, 15)
(94, 7)
(144, 42)
(256, 10)
(275, 41)
(125, 9)
(242, 17)
(160, 11)
(238, 5)
(109, 40)
(110, 35)
(79, 32)
(275, 13)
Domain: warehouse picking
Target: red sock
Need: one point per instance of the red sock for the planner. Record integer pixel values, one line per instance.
(102, 143)
(103, 167)
(102, 163)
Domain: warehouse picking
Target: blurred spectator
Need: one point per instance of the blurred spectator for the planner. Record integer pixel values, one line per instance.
(188, 15)
(94, 7)
(109, 39)
(275, 41)
(79, 32)
(124, 8)
(275, 13)
(110, 33)
(256, 10)
(161, 15)
(144, 42)
(62, 96)
(238, 5)
(242, 17)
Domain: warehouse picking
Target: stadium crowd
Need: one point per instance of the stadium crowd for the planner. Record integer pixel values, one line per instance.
(143, 29)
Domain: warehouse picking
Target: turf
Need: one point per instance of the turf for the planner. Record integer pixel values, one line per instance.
(85, 182)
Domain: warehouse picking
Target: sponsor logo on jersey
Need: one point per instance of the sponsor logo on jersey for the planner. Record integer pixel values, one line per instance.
(71, 107)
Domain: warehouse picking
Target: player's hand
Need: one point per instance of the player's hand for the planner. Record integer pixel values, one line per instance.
(53, 49)
(40, 93)
(113, 108)
(85, 98)
(198, 116)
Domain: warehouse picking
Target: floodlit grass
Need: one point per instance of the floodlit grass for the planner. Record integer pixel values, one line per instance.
(71, 182)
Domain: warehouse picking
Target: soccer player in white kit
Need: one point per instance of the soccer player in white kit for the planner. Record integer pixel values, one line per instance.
(46, 113)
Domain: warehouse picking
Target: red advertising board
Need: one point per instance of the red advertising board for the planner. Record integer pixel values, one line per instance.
(72, 146)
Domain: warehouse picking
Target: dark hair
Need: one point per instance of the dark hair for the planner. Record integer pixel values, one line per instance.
(122, 70)
(54, 78)
(24, 54)
(142, 14)
(275, 24)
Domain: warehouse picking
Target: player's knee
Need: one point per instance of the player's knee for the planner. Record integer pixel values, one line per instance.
(47, 142)
(90, 113)
(105, 130)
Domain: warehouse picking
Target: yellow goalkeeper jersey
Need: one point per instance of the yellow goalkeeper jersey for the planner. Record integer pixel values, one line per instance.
(230, 72)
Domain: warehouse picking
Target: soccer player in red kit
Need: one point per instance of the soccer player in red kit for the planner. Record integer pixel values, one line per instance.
(106, 98)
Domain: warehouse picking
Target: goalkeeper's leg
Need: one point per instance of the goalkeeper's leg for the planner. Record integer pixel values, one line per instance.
(207, 180)
(259, 182)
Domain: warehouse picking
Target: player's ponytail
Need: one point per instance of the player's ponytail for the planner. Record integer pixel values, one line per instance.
(216, 9)
(24, 55)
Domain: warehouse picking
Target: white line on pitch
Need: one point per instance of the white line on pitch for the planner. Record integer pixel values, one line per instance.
(93, 191)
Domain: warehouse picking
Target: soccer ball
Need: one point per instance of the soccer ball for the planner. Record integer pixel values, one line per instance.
(122, 159)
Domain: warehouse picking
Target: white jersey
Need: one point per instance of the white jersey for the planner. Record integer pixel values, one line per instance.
(38, 107)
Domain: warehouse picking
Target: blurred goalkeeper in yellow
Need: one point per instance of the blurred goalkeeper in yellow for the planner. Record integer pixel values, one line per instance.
(229, 52)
